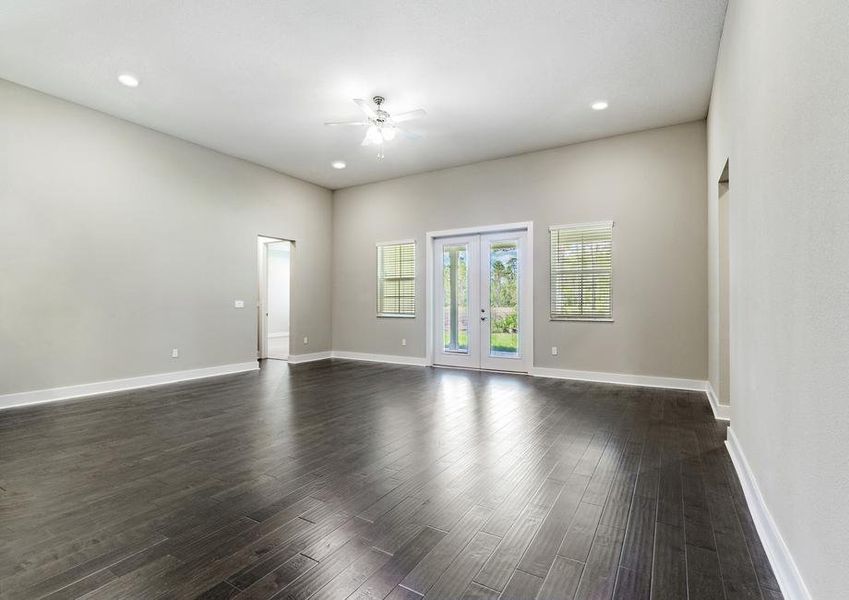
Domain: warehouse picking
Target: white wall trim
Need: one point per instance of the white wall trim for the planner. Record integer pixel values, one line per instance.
(120, 385)
(278, 334)
(296, 359)
(621, 378)
(721, 412)
(786, 572)
(381, 358)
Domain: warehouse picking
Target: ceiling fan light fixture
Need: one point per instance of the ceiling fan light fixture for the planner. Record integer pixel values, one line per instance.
(373, 136)
(388, 133)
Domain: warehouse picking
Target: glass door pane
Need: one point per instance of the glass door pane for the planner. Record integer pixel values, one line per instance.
(455, 298)
(504, 299)
(456, 267)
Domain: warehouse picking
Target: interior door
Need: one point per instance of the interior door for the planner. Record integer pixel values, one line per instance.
(481, 301)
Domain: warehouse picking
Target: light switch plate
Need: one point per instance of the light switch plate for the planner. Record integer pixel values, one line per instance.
(554, 350)
(175, 352)
(239, 303)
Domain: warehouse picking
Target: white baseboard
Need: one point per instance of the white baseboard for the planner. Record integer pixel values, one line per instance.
(381, 358)
(721, 412)
(119, 385)
(49, 395)
(783, 565)
(621, 378)
(296, 359)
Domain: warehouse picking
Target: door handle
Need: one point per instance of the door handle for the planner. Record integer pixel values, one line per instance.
(483, 317)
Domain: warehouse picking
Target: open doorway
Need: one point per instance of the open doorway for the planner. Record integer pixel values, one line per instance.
(273, 313)
(724, 288)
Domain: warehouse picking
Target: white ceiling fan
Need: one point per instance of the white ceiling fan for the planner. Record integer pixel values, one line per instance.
(382, 127)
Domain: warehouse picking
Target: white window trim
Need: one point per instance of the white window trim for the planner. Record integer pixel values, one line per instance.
(377, 247)
(612, 225)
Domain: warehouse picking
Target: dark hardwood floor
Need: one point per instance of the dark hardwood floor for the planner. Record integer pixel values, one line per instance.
(340, 479)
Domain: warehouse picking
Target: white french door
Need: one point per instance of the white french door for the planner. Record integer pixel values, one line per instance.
(482, 301)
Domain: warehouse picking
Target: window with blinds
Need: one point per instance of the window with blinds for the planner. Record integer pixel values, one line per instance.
(581, 271)
(396, 279)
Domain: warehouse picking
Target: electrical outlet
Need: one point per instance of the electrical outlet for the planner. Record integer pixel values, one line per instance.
(554, 350)
(238, 304)
(403, 341)
(306, 340)
(175, 352)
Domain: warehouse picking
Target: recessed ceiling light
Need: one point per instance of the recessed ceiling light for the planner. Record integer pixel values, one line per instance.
(128, 79)
(600, 105)
(338, 164)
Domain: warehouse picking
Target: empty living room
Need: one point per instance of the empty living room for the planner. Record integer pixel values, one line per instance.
(443, 300)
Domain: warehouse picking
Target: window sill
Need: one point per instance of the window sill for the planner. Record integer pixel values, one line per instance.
(396, 316)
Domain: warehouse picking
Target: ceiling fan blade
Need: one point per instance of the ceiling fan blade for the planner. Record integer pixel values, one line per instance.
(347, 124)
(410, 135)
(365, 107)
(409, 115)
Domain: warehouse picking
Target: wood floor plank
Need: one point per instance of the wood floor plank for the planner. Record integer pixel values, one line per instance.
(476, 591)
(638, 550)
(278, 578)
(632, 585)
(498, 568)
(344, 584)
(579, 537)
(704, 579)
(561, 581)
(430, 568)
(669, 578)
(522, 585)
(221, 591)
(542, 550)
(315, 578)
(599, 577)
(402, 593)
(454, 580)
(385, 579)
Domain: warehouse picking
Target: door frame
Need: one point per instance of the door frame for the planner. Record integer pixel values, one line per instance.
(262, 291)
(430, 236)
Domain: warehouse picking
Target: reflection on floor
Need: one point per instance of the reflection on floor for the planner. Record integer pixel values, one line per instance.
(338, 479)
(278, 347)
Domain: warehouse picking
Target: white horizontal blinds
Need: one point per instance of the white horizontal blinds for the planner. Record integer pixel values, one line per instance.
(396, 279)
(581, 271)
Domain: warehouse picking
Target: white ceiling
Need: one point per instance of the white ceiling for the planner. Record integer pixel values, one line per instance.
(257, 78)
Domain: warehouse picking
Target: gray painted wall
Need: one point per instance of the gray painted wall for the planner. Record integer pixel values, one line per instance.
(779, 112)
(650, 183)
(119, 243)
